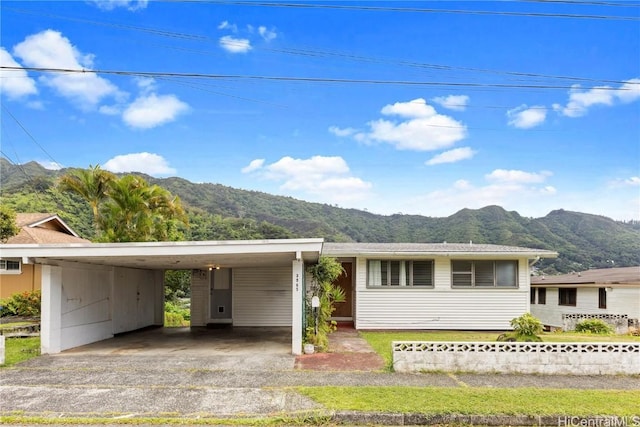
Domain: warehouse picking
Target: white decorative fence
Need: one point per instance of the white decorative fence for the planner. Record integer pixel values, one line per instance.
(518, 357)
(619, 322)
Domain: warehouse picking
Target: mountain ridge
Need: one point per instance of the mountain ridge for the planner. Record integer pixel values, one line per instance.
(582, 240)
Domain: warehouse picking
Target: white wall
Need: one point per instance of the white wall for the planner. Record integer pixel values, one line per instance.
(85, 303)
(619, 301)
(135, 299)
(199, 297)
(441, 307)
(262, 296)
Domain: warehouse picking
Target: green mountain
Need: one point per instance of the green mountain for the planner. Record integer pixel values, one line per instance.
(219, 212)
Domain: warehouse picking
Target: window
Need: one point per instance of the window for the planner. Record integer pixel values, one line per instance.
(484, 274)
(532, 296)
(567, 296)
(399, 273)
(8, 266)
(602, 298)
(542, 295)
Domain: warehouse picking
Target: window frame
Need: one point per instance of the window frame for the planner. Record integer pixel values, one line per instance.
(602, 298)
(4, 262)
(542, 296)
(515, 264)
(567, 292)
(409, 271)
(532, 296)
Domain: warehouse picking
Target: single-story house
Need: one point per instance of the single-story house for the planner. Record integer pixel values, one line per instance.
(611, 294)
(92, 291)
(35, 228)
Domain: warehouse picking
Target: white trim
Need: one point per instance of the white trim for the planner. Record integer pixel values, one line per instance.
(50, 218)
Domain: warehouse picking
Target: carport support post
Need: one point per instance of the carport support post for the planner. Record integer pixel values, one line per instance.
(296, 308)
(51, 310)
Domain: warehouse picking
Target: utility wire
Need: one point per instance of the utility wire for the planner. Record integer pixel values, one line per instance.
(414, 10)
(290, 78)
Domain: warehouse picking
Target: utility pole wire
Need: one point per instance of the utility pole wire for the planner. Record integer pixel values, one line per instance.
(289, 78)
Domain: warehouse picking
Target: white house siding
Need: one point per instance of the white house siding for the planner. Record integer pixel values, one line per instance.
(86, 308)
(619, 301)
(135, 299)
(262, 296)
(441, 307)
(199, 297)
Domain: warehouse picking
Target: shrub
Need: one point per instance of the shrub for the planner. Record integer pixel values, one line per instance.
(527, 325)
(175, 314)
(174, 320)
(594, 326)
(25, 304)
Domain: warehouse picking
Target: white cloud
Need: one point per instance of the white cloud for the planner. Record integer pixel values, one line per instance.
(225, 25)
(524, 117)
(267, 34)
(629, 91)
(152, 110)
(452, 156)
(14, 83)
(254, 165)
(51, 165)
(453, 102)
(422, 130)
(131, 5)
(326, 179)
(342, 132)
(633, 181)
(517, 176)
(149, 163)
(50, 49)
(580, 100)
(418, 108)
(235, 45)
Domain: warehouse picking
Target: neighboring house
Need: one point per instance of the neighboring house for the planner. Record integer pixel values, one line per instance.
(611, 294)
(93, 291)
(35, 228)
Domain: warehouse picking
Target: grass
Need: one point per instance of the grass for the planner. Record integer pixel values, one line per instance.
(20, 349)
(381, 341)
(477, 401)
(292, 420)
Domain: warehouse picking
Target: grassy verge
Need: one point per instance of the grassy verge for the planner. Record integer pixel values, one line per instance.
(381, 341)
(477, 401)
(15, 324)
(20, 349)
(302, 419)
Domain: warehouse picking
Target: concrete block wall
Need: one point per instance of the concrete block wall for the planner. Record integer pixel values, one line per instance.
(527, 358)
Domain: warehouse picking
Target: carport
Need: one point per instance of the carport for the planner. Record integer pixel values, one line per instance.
(91, 292)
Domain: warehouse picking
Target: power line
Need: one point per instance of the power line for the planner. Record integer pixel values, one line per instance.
(312, 52)
(291, 78)
(416, 10)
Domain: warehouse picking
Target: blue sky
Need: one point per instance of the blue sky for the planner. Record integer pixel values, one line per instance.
(413, 107)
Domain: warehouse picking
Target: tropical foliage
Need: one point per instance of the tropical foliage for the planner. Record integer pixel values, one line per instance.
(24, 304)
(8, 227)
(318, 320)
(126, 209)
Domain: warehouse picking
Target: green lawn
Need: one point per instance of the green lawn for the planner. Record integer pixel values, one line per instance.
(381, 341)
(20, 349)
(477, 401)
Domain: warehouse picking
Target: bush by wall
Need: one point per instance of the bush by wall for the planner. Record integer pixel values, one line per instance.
(594, 326)
(26, 304)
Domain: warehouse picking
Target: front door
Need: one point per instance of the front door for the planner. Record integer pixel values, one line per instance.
(220, 301)
(344, 310)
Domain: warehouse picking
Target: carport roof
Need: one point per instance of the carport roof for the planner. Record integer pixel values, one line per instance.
(172, 255)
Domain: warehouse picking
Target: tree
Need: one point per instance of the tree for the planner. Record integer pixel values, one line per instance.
(138, 212)
(8, 227)
(127, 209)
(91, 184)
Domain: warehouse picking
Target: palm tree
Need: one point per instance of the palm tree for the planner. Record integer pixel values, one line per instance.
(91, 184)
